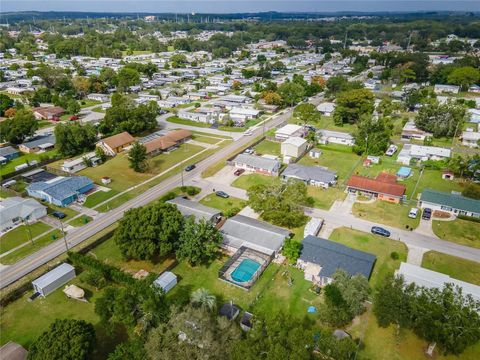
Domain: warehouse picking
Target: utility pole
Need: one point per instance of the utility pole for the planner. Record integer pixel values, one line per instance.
(25, 221)
(182, 176)
(64, 235)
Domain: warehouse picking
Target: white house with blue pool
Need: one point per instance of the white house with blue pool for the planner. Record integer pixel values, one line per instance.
(60, 191)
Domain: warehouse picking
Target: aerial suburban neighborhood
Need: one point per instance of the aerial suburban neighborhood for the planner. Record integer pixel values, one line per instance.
(251, 185)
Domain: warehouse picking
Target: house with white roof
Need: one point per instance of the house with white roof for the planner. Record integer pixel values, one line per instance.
(410, 131)
(471, 138)
(258, 164)
(287, 131)
(335, 137)
(326, 108)
(449, 89)
(422, 153)
(240, 114)
(14, 210)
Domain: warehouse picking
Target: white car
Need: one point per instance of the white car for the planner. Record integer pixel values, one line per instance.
(392, 149)
(413, 213)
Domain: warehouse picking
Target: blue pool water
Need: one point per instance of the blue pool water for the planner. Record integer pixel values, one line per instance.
(245, 271)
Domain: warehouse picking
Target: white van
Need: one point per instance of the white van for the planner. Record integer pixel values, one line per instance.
(413, 213)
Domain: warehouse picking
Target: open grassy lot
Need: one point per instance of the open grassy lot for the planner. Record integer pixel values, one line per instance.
(343, 161)
(387, 344)
(457, 268)
(177, 120)
(432, 179)
(20, 234)
(206, 139)
(231, 128)
(87, 103)
(23, 158)
(80, 221)
(386, 213)
(324, 198)
(222, 204)
(99, 110)
(29, 248)
(268, 147)
(248, 180)
(459, 231)
(23, 321)
(123, 177)
(379, 246)
(99, 196)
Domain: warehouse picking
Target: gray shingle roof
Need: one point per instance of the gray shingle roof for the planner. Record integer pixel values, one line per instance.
(258, 162)
(40, 140)
(455, 201)
(331, 256)
(7, 150)
(193, 208)
(258, 235)
(63, 187)
(308, 173)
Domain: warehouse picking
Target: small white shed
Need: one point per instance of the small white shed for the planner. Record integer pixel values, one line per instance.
(166, 281)
(54, 279)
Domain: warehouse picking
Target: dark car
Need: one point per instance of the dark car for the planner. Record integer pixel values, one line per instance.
(427, 214)
(380, 231)
(239, 172)
(222, 194)
(73, 118)
(190, 168)
(59, 215)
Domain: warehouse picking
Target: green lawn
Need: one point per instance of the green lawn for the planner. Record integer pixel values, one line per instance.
(432, 179)
(268, 147)
(222, 204)
(206, 139)
(29, 248)
(343, 162)
(123, 177)
(248, 180)
(20, 234)
(23, 158)
(324, 198)
(99, 196)
(231, 128)
(80, 221)
(383, 212)
(88, 103)
(459, 231)
(99, 109)
(380, 246)
(67, 211)
(177, 120)
(457, 268)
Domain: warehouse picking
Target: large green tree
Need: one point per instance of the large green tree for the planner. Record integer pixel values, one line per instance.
(372, 137)
(291, 93)
(148, 231)
(127, 77)
(352, 105)
(464, 77)
(73, 138)
(306, 113)
(65, 339)
(441, 119)
(198, 242)
(6, 102)
(137, 156)
(15, 130)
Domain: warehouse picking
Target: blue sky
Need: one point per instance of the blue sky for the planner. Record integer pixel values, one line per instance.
(228, 6)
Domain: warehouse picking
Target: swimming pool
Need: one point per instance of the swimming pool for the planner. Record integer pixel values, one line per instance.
(245, 270)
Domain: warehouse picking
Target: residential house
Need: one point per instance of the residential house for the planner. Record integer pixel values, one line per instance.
(454, 204)
(450, 89)
(410, 131)
(310, 175)
(8, 153)
(61, 191)
(422, 153)
(241, 115)
(115, 144)
(474, 89)
(474, 115)
(471, 139)
(294, 147)
(254, 234)
(335, 137)
(321, 258)
(287, 131)
(98, 97)
(326, 108)
(38, 144)
(156, 143)
(48, 113)
(13, 351)
(75, 165)
(14, 210)
(414, 274)
(202, 115)
(197, 210)
(258, 164)
(384, 187)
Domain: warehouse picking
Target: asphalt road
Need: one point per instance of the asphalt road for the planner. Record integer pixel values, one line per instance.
(12, 273)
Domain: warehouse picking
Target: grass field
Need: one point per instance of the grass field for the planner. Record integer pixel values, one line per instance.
(268, 147)
(206, 139)
(20, 234)
(99, 196)
(123, 177)
(457, 268)
(67, 211)
(343, 162)
(222, 204)
(80, 221)
(383, 212)
(177, 120)
(249, 180)
(87, 103)
(379, 246)
(99, 109)
(324, 198)
(432, 179)
(459, 231)
(23, 158)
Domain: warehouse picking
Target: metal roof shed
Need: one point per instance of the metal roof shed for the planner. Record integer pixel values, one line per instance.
(54, 279)
(166, 281)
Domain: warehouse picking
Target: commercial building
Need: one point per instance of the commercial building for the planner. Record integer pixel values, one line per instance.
(14, 210)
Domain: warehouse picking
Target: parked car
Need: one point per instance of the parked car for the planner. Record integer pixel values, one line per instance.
(222, 194)
(59, 215)
(249, 132)
(380, 231)
(73, 118)
(239, 172)
(427, 214)
(413, 213)
(392, 149)
(249, 151)
(190, 168)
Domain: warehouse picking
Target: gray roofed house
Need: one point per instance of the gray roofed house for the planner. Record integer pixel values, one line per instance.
(195, 209)
(310, 175)
(320, 258)
(39, 143)
(8, 153)
(16, 209)
(258, 164)
(258, 235)
(61, 191)
(451, 203)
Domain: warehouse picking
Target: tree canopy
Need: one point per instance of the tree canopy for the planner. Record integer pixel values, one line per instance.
(73, 138)
(441, 119)
(21, 126)
(137, 156)
(352, 105)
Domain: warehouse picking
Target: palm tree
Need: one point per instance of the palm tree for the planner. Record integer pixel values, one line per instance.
(203, 298)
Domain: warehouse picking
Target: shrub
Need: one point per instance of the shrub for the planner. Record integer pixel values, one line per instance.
(95, 278)
(394, 255)
(168, 196)
(232, 212)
